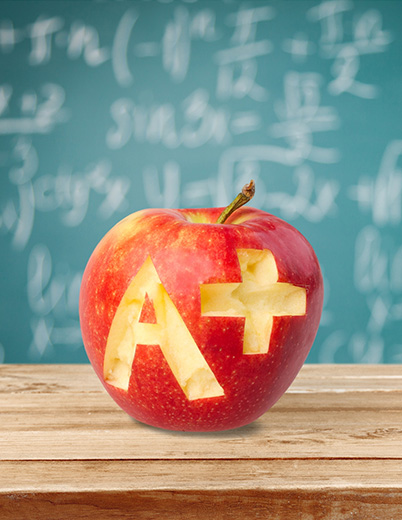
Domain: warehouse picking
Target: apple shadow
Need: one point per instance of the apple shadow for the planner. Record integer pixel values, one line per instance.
(248, 430)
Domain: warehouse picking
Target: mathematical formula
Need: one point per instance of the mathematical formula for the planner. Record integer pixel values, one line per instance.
(109, 109)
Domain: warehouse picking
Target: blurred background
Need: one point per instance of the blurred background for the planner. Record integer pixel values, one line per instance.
(110, 107)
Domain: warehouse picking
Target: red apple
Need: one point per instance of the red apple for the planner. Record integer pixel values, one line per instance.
(197, 326)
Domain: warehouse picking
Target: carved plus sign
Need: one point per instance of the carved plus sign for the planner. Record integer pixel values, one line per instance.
(258, 298)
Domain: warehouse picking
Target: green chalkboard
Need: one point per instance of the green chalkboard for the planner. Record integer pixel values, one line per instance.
(110, 107)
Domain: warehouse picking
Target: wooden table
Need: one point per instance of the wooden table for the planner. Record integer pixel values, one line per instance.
(331, 448)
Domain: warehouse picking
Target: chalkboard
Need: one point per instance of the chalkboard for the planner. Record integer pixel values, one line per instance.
(110, 107)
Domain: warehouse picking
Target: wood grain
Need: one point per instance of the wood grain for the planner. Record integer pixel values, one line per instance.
(331, 448)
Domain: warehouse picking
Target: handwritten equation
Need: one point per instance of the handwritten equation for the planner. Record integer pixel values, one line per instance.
(110, 108)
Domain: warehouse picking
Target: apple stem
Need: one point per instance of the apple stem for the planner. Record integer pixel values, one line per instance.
(247, 193)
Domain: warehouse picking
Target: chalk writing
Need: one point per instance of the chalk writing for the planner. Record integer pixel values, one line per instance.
(179, 103)
(382, 195)
(378, 263)
(66, 191)
(157, 124)
(238, 64)
(51, 295)
(368, 38)
(313, 200)
(121, 41)
(301, 116)
(299, 47)
(170, 196)
(9, 36)
(39, 112)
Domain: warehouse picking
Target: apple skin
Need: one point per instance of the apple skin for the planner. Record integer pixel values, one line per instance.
(186, 255)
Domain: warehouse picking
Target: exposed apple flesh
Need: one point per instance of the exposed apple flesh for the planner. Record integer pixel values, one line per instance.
(169, 332)
(257, 298)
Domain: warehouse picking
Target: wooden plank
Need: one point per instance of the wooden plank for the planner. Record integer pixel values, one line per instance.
(315, 490)
(80, 378)
(60, 419)
(212, 505)
(330, 449)
(299, 435)
(28, 477)
(49, 379)
(307, 438)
